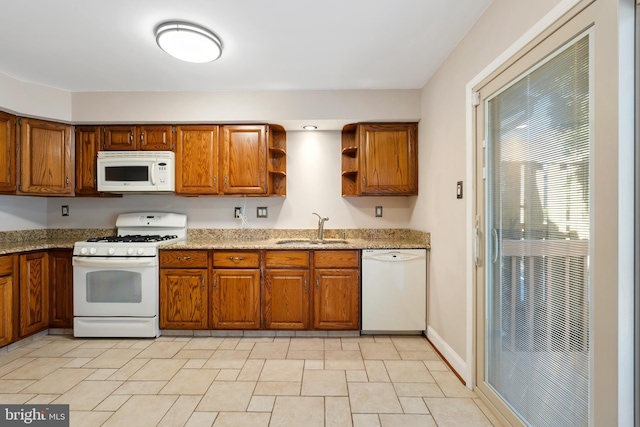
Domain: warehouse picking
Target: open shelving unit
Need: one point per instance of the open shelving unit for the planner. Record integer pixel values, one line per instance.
(350, 173)
(277, 161)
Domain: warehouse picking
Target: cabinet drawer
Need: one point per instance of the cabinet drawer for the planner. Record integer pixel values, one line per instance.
(284, 259)
(183, 259)
(6, 265)
(236, 259)
(335, 259)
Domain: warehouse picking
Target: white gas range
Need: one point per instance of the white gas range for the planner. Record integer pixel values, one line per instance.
(116, 278)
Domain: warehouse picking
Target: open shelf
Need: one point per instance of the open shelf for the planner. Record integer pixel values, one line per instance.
(277, 161)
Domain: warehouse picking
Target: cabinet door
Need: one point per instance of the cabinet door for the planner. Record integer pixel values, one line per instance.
(389, 159)
(244, 159)
(158, 137)
(7, 153)
(45, 158)
(183, 299)
(336, 299)
(120, 138)
(34, 293)
(286, 299)
(197, 160)
(61, 289)
(6, 300)
(88, 143)
(236, 299)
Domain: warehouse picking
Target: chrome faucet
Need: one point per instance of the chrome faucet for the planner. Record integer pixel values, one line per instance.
(321, 221)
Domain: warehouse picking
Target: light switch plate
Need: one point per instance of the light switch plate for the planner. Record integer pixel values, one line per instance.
(262, 212)
(378, 211)
(459, 190)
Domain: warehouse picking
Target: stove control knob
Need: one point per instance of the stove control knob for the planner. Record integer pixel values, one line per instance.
(111, 251)
(130, 251)
(140, 251)
(84, 251)
(93, 251)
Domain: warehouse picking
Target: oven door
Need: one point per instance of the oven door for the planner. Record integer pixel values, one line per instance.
(111, 286)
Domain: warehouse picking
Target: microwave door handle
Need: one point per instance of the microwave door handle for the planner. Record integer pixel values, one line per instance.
(153, 173)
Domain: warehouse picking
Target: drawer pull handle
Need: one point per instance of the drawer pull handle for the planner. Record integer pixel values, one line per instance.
(236, 258)
(185, 258)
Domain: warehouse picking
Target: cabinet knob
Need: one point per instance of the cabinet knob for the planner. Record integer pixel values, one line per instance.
(236, 258)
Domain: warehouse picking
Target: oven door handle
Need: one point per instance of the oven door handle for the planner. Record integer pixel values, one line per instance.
(114, 262)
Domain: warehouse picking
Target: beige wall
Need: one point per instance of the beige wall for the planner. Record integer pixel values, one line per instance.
(442, 162)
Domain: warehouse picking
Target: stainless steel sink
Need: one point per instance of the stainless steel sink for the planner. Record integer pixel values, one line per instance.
(311, 242)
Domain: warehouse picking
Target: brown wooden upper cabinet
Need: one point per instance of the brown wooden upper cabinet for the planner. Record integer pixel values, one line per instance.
(7, 153)
(380, 159)
(197, 159)
(130, 137)
(46, 166)
(88, 143)
(244, 159)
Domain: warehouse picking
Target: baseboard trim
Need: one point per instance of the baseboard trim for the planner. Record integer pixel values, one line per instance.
(450, 357)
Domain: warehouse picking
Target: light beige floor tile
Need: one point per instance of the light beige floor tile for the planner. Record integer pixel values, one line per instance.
(418, 390)
(261, 404)
(337, 412)
(228, 375)
(382, 338)
(141, 411)
(124, 344)
(87, 418)
(113, 402)
(408, 371)
(278, 388)
(227, 397)
(436, 365)
(251, 370)
(77, 362)
(345, 360)
(314, 364)
(190, 381)
(269, 351)
(451, 385)
(140, 387)
(162, 350)
(14, 386)
(350, 346)
(419, 355)
(358, 376)
(88, 394)
(194, 354)
(43, 399)
(85, 352)
(59, 381)
(203, 343)
(299, 344)
(36, 369)
(334, 344)
(245, 346)
(256, 339)
(201, 419)
(411, 343)
(487, 413)
(18, 354)
(362, 338)
(128, 369)
(99, 343)
(141, 344)
(101, 374)
(16, 398)
(376, 371)
(229, 343)
(194, 363)
(227, 359)
(294, 411)
(407, 420)
(342, 355)
(55, 349)
(369, 398)
(159, 369)
(12, 365)
(113, 358)
(365, 420)
(282, 370)
(379, 351)
(413, 405)
(458, 412)
(237, 419)
(306, 354)
(324, 383)
(179, 413)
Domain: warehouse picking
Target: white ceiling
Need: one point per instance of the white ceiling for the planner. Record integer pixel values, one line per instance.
(108, 45)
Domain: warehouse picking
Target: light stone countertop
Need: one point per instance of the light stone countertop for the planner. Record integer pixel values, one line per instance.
(34, 240)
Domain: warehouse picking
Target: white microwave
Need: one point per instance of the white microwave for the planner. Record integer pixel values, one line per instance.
(136, 171)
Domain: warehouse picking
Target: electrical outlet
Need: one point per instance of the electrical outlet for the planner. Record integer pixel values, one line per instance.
(237, 212)
(262, 212)
(378, 211)
(459, 190)
(65, 210)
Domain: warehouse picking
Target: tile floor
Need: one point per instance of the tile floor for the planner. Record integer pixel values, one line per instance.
(207, 381)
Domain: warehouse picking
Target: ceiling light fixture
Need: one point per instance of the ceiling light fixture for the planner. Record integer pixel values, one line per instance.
(188, 42)
(309, 127)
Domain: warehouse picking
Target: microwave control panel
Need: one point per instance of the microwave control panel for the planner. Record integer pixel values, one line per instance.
(163, 177)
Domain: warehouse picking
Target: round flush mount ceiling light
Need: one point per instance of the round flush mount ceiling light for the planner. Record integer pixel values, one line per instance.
(188, 42)
(309, 127)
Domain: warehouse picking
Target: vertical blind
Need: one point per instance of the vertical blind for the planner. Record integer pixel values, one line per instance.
(537, 299)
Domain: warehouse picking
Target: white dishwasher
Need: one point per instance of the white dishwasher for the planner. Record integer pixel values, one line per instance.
(394, 290)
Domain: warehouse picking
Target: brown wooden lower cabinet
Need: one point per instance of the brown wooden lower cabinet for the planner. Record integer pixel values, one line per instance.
(286, 290)
(61, 289)
(336, 299)
(34, 293)
(7, 293)
(185, 301)
(235, 299)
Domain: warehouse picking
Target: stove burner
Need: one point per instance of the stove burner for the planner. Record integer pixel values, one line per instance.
(137, 238)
